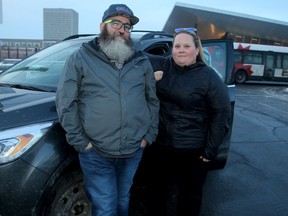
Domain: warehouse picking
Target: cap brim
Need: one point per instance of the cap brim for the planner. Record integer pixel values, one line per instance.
(134, 20)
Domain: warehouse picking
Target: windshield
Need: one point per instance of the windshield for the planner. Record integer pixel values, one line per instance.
(43, 69)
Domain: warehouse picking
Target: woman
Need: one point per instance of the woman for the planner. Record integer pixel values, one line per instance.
(194, 116)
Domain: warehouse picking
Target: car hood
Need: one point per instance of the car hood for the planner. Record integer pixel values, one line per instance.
(19, 107)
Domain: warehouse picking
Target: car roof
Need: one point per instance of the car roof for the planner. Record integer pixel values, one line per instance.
(141, 38)
(138, 35)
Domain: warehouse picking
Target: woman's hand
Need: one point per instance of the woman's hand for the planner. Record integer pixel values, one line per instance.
(204, 159)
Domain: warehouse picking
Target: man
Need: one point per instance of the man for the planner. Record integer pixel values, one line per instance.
(107, 104)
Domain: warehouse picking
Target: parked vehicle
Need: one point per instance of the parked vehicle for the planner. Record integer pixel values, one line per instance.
(258, 62)
(39, 171)
(7, 63)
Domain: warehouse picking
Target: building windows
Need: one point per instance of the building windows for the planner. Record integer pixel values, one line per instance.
(254, 40)
(37, 45)
(20, 49)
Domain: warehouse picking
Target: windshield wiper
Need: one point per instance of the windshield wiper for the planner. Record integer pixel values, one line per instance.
(31, 68)
(21, 86)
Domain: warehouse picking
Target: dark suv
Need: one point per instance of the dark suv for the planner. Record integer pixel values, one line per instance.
(39, 171)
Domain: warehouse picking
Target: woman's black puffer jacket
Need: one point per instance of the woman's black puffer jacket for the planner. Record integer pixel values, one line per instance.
(194, 108)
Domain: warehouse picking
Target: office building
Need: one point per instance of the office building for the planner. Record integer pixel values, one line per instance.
(59, 23)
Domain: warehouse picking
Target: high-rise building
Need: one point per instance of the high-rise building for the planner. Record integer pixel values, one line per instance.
(59, 23)
(1, 16)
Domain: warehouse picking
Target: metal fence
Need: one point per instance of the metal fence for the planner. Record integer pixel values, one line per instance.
(7, 52)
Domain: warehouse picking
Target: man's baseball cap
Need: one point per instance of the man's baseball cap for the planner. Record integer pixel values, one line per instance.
(120, 10)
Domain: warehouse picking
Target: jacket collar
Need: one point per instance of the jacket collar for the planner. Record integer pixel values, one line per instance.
(187, 68)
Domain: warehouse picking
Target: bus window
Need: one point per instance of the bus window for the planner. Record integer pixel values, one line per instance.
(237, 56)
(252, 58)
(278, 61)
(270, 61)
(285, 61)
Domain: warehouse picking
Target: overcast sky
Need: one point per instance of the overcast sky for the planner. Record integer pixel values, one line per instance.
(23, 19)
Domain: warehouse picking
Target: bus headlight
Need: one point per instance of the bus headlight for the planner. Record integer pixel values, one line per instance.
(14, 142)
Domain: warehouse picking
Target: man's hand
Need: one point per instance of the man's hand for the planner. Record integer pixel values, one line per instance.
(89, 145)
(143, 143)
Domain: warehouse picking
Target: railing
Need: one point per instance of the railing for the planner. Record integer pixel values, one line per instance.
(7, 52)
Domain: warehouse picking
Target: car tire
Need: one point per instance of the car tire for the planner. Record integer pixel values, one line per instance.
(67, 197)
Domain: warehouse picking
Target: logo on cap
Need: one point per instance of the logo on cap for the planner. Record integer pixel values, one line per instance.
(124, 10)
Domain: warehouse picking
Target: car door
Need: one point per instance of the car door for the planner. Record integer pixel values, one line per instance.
(220, 56)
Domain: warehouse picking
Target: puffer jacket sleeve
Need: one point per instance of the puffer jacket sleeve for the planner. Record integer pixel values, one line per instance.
(67, 103)
(219, 108)
(153, 104)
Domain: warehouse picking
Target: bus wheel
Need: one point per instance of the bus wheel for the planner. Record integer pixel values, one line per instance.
(240, 77)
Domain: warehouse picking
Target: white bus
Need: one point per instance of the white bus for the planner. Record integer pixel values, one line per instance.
(260, 63)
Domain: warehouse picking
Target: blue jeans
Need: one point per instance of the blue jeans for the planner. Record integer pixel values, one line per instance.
(107, 182)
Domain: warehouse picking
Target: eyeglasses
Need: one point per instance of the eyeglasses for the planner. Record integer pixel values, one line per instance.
(191, 30)
(117, 24)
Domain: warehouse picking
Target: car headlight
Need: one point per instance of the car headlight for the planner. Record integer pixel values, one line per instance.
(14, 142)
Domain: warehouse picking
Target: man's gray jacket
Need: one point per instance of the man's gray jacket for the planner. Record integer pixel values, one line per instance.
(113, 109)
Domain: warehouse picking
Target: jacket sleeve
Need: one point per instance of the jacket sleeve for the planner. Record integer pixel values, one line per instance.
(153, 104)
(67, 104)
(156, 61)
(219, 108)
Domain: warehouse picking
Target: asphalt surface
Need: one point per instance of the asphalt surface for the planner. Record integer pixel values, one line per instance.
(255, 179)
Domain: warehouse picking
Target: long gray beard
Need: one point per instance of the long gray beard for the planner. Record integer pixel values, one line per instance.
(117, 50)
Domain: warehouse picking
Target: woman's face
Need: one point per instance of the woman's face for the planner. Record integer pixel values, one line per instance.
(184, 51)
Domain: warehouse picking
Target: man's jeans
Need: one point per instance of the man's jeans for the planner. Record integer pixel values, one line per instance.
(107, 182)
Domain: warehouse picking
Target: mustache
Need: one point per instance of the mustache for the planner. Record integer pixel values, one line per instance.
(118, 34)
(105, 37)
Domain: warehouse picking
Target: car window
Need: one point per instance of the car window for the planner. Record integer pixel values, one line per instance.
(43, 69)
(216, 57)
(162, 49)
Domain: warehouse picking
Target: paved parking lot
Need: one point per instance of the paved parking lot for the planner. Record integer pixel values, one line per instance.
(254, 182)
